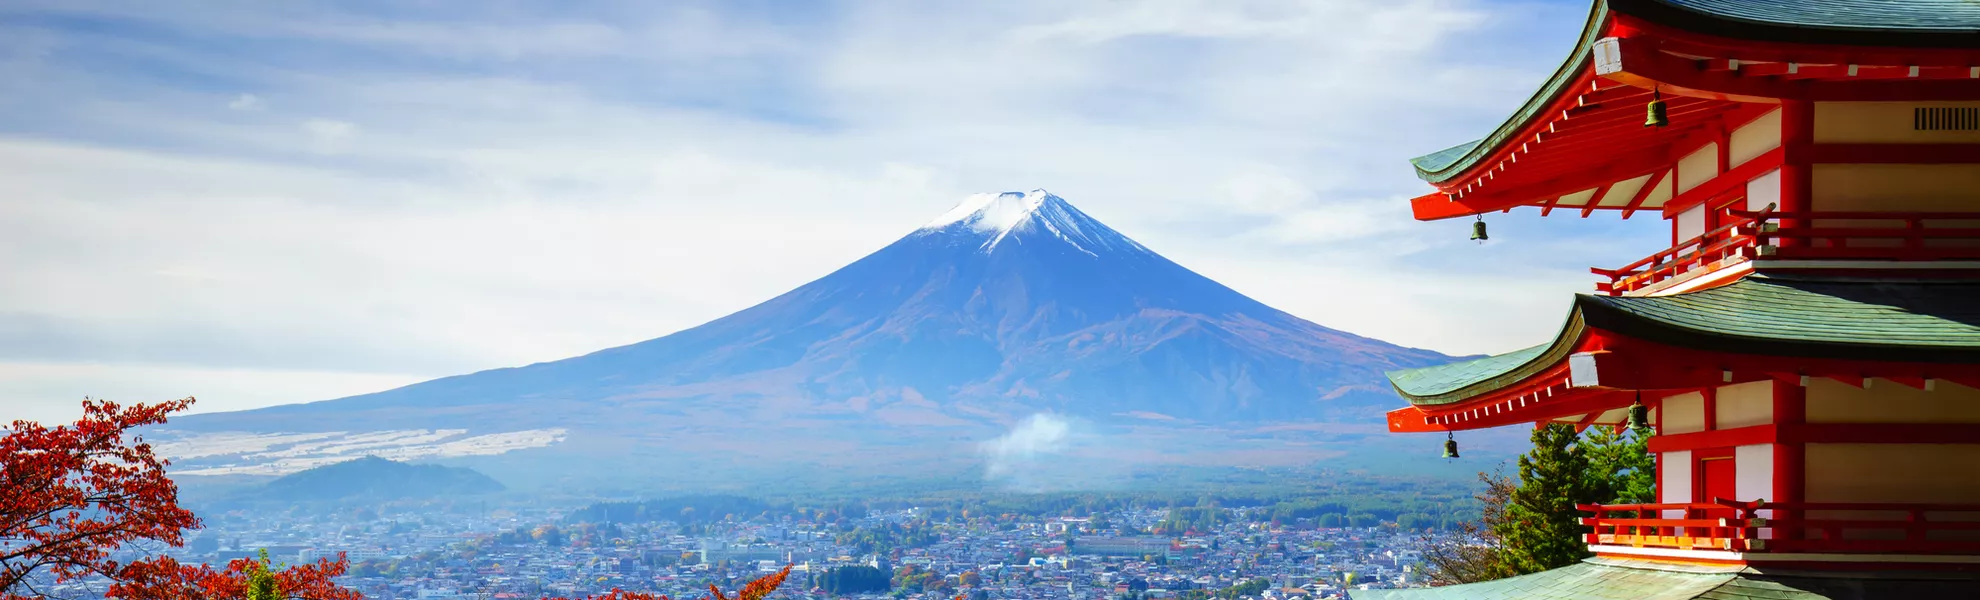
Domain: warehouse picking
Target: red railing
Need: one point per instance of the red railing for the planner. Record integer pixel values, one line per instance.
(1808, 235)
(1909, 236)
(1692, 254)
(1793, 527)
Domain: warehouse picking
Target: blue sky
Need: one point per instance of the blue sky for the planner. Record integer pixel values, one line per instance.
(257, 203)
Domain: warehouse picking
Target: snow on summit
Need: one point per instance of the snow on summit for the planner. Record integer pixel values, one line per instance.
(999, 216)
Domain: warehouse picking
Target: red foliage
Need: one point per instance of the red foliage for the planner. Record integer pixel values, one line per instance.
(165, 579)
(755, 590)
(72, 494)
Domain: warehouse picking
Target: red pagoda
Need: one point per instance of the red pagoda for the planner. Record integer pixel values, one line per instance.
(1807, 350)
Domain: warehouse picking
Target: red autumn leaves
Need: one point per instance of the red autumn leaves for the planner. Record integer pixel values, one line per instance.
(72, 495)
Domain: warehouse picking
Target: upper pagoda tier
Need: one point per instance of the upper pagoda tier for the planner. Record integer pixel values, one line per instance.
(1720, 66)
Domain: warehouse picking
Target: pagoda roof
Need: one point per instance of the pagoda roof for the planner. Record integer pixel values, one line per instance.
(1923, 24)
(1923, 321)
(1912, 23)
(1602, 578)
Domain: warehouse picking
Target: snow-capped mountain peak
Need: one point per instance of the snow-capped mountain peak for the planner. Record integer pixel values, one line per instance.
(993, 213)
(998, 217)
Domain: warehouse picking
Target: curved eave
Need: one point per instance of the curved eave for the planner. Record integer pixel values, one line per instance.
(1449, 163)
(1422, 387)
(1926, 322)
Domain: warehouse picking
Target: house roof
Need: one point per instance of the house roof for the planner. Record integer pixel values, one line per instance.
(1928, 321)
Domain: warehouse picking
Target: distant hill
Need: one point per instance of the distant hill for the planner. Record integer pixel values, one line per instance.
(686, 509)
(377, 479)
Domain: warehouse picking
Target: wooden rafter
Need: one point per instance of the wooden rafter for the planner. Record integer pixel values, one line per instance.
(1643, 193)
(1588, 419)
(1593, 200)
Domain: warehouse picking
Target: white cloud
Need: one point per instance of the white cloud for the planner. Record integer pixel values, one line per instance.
(1038, 437)
(328, 135)
(525, 187)
(245, 102)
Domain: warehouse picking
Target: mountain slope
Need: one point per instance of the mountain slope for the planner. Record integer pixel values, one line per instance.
(375, 479)
(1009, 305)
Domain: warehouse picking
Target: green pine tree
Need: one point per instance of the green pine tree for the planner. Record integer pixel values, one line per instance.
(261, 582)
(1623, 463)
(1542, 530)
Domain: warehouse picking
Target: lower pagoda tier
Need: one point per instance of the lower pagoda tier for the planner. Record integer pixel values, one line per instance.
(1613, 579)
(1616, 351)
(1801, 422)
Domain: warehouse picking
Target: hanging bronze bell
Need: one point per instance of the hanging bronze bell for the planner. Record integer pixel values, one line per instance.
(1450, 446)
(1658, 115)
(1478, 231)
(1639, 416)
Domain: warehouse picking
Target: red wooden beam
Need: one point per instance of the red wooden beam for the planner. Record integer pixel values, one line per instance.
(1592, 200)
(1727, 181)
(1880, 433)
(1616, 92)
(1643, 193)
(1603, 140)
(1439, 206)
(1723, 438)
(1972, 381)
(1821, 72)
(1645, 63)
(1855, 381)
(1916, 383)
(1600, 149)
(1767, 69)
(1633, 116)
(1698, 44)
(1588, 419)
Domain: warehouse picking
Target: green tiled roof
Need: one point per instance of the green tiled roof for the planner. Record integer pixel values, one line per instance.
(1441, 159)
(1900, 23)
(1896, 23)
(1844, 14)
(1906, 320)
(1612, 579)
(1595, 579)
(1935, 321)
(1442, 379)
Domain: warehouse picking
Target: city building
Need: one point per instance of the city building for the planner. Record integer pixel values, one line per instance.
(1807, 349)
(1121, 546)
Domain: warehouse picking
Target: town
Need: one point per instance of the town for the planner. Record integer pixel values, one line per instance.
(902, 554)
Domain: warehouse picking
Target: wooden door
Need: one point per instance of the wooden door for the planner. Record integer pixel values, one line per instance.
(1717, 479)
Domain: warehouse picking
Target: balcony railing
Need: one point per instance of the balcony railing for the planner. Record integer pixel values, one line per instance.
(1808, 235)
(1793, 527)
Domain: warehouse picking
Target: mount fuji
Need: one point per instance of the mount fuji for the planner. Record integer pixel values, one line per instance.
(1008, 309)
